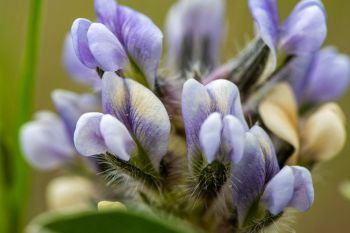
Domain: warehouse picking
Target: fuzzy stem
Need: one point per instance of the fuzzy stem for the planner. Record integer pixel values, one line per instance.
(151, 181)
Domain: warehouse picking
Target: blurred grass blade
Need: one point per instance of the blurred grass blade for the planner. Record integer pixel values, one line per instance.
(106, 222)
(20, 189)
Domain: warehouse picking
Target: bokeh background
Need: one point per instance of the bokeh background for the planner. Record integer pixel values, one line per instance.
(330, 213)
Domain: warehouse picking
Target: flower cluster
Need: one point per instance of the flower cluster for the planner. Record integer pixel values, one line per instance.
(227, 147)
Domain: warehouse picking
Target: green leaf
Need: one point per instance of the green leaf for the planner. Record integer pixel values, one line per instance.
(105, 222)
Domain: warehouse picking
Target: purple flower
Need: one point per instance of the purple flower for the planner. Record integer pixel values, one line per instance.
(211, 114)
(303, 32)
(137, 117)
(320, 77)
(258, 177)
(122, 37)
(194, 31)
(47, 142)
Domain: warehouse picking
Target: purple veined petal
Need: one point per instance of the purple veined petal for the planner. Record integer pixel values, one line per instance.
(196, 105)
(107, 13)
(197, 24)
(279, 191)
(140, 111)
(305, 29)
(117, 137)
(303, 196)
(268, 149)
(106, 48)
(233, 137)
(45, 142)
(77, 70)
(71, 106)
(265, 15)
(79, 31)
(328, 78)
(226, 99)
(248, 177)
(87, 136)
(210, 135)
(142, 39)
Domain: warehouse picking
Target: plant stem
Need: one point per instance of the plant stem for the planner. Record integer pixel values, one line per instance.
(20, 189)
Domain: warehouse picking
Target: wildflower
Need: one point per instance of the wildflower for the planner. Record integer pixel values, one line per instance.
(303, 32)
(121, 37)
(47, 142)
(194, 31)
(320, 77)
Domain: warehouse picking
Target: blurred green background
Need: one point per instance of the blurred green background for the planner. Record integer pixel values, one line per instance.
(331, 212)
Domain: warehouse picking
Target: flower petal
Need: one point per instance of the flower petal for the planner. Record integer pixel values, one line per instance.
(248, 177)
(140, 111)
(106, 48)
(329, 76)
(268, 149)
(303, 196)
(226, 99)
(142, 40)
(71, 106)
(323, 135)
(233, 137)
(117, 137)
(265, 14)
(279, 191)
(45, 142)
(305, 29)
(78, 71)
(87, 136)
(194, 32)
(210, 135)
(106, 12)
(79, 31)
(196, 104)
(279, 113)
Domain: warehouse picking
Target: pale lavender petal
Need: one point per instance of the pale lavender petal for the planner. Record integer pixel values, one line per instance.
(210, 135)
(196, 25)
(226, 99)
(45, 143)
(117, 137)
(268, 149)
(142, 40)
(305, 29)
(248, 177)
(140, 111)
(265, 15)
(77, 70)
(87, 136)
(106, 48)
(196, 104)
(106, 12)
(234, 137)
(279, 191)
(79, 31)
(71, 106)
(303, 196)
(291, 187)
(329, 76)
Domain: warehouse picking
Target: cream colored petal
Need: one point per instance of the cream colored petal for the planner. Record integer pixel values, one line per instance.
(109, 205)
(324, 135)
(279, 113)
(70, 193)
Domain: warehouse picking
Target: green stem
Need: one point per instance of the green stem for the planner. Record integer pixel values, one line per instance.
(20, 190)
